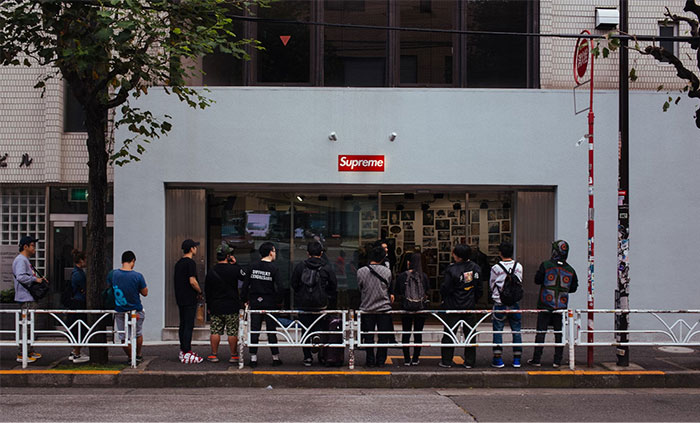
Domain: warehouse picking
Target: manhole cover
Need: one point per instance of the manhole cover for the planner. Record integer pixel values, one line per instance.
(677, 350)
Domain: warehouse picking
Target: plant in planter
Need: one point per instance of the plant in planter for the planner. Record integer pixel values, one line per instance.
(7, 296)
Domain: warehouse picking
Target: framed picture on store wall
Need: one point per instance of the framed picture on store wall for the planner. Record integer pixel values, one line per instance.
(408, 215)
(429, 243)
(492, 215)
(407, 226)
(394, 217)
(442, 224)
(494, 228)
(474, 216)
(409, 236)
(505, 226)
(443, 235)
(494, 239)
(428, 217)
(445, 246)
(428, 231)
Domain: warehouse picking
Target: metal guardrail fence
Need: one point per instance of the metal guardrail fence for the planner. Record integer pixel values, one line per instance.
(15, 331)
(75, 334)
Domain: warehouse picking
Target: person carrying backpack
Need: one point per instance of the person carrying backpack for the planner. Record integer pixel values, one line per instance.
(315, 287)
(506, 291)
(412, 286)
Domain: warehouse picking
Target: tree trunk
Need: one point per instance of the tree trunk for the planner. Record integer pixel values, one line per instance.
(96, 123)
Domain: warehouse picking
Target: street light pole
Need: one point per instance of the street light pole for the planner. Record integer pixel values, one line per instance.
(623, 216)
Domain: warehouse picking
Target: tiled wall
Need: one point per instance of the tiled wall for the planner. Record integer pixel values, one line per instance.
(572, 16)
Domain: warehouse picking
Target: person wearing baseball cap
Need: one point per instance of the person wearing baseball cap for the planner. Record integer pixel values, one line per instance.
(187, 294)
(24, 276)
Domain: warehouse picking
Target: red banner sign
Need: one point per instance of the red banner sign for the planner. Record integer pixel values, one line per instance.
(347, 163)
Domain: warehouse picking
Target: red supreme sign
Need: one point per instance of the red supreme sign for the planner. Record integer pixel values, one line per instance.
(348, 163)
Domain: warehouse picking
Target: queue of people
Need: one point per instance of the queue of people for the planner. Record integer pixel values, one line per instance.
(229, 287)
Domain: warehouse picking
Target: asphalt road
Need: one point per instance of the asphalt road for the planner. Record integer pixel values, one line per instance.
(243, 404)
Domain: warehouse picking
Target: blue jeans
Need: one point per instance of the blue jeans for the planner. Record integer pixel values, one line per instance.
(499, 322)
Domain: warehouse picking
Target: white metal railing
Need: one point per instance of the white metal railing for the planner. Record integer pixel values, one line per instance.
(292, 332)
(15, 332)
(665, 331)
(76, 334)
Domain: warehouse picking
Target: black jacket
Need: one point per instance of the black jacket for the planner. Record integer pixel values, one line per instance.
(461, 288)
(262, 287)
(327, 276)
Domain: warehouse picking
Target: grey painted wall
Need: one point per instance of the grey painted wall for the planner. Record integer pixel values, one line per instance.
(445, 136)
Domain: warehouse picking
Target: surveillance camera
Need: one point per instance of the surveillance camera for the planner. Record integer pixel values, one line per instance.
(392, 136)
(332, 136)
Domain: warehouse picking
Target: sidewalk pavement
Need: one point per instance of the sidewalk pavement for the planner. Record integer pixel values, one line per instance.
(660, 367)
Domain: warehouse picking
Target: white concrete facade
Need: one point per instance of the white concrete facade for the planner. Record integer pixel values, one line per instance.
(280, 136)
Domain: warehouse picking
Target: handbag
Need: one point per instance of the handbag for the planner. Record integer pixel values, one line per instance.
(199, 317)
(39, 290)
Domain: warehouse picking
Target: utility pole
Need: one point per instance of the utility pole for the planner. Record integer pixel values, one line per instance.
(623, 198)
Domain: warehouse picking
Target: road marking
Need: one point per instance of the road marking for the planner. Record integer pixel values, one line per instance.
(60, 372)
(282, 372)
(596, 372)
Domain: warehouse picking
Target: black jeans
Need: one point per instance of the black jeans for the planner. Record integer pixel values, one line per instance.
(256, 320)
(448, 352)
(415, 321)
(187, 315)
(308, 321)
(379, 322)
(544, 320)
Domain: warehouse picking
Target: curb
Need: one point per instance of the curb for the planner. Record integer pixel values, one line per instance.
(357, 379)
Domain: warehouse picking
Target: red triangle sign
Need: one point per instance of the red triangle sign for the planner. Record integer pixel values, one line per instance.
(285, 39)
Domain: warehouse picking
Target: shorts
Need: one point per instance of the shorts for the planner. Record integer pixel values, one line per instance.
(221, 321)
(119, 318)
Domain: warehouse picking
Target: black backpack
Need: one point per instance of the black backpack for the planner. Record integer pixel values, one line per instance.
(313, 289)
(512, 290)
(414, 294)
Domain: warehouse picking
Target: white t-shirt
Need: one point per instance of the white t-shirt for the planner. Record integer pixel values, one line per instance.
(498, 275)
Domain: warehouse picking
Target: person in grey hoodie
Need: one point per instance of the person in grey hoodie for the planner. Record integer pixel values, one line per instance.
(24, 276)
(376, 297)
(309, 297)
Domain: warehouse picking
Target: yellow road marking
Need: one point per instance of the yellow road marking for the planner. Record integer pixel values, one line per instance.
(456, 359)
(273, 372)
(596, 372)
(60, 372)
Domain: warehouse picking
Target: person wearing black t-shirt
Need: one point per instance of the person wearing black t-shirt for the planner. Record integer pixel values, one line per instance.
(187, 294)
(262, 291)
(221, 289)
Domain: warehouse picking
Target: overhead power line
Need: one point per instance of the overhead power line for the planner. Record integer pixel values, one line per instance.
(463, 32)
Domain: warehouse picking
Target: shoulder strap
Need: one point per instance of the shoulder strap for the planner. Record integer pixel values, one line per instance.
(380, 277)
(511, 271)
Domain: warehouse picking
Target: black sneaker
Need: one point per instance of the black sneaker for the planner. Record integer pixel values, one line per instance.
(277, 362)
(308, 361)
(444, 365)
(533, 362)
(253, 364)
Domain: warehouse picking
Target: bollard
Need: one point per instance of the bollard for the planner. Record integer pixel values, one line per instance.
(24, 339)
(132, 338)
(350, 336)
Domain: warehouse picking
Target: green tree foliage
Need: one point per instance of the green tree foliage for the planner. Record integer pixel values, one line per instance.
(110, 52)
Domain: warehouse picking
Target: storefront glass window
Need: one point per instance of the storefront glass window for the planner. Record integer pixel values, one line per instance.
(497, 61)
(224, 69)
(355, 57)
(426, 58)
(286, 58)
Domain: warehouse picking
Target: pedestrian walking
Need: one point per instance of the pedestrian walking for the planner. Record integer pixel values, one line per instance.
(376, 297)
(315, 288)
(24, 276)
(221, 293)
(557, 279)
(187, 294)
(262, 290)
(506, 267)
(128, 286)
(460, 290)
(412, 287)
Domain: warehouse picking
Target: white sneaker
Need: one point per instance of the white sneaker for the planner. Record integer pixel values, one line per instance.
(191, 357)
(80, 358)
(180, 355)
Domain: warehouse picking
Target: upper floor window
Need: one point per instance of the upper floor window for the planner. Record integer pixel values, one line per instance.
(73, 113)
(668, 29)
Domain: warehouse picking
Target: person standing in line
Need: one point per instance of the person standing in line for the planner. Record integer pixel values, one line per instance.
(24, 275)
(557, 279)
(78, 301)
(315, 286)
(221, 293)
(412, 285)
(376, 297)
(262, 290)
(460, 290)
(187, 294)
(498, 276)
(128, 286)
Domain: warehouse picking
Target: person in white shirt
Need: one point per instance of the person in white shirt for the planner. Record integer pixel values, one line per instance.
(498, 276)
